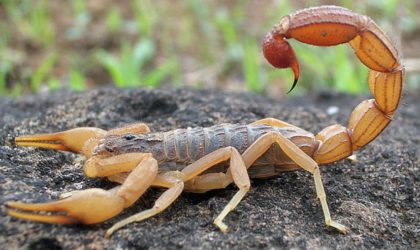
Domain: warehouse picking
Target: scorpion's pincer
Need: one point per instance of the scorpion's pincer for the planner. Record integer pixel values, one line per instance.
(87, 207)
(78, 140)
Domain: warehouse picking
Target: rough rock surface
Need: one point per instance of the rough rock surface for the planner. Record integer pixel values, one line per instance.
(376, 196)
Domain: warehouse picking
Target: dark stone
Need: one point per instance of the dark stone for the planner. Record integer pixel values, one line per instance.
(44, 243)
(376, 196)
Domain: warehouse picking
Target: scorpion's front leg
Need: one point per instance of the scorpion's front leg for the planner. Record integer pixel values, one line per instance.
(96, 205)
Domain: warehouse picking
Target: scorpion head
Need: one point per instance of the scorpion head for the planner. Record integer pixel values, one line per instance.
(126, 143)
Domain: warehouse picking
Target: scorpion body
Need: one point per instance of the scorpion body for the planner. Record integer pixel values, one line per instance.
(202, 159)
(185, 146)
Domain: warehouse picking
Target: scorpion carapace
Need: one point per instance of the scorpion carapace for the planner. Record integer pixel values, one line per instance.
(202, 159)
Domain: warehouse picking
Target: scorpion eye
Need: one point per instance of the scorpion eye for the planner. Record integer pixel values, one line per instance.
(129, 137)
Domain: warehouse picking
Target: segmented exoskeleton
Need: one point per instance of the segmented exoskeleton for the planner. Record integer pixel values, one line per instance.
(202, 159)
(185, 146)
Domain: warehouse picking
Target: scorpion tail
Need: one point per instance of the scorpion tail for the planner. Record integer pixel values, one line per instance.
(280, 54)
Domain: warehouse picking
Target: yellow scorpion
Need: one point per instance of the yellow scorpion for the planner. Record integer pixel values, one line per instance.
(212, 158)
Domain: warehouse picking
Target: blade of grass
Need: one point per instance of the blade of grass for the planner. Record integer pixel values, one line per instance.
(114, 20)
(155, 78)
(250, 66)
(112, 65)
(77, 80)
(42, 71)
(4, 70)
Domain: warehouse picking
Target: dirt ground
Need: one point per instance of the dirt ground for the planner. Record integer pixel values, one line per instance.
(375, 196)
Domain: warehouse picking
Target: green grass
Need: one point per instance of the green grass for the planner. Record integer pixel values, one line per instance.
(32, 19)
(41, 73)
(146, 44)
(130, 69)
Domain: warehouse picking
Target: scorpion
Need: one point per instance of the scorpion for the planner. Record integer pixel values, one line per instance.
(202, 159)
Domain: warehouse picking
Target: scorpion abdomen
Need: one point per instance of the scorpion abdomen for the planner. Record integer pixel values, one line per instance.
(188, 145)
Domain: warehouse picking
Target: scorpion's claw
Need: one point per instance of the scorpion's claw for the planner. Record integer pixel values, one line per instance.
(78, 140)
(87, 207)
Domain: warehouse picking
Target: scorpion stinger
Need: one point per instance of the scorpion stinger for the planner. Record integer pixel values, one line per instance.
(280, 54)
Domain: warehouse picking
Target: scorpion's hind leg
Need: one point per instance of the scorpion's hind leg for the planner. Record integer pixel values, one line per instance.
(95, 205)
(263, 143)
(237, 172)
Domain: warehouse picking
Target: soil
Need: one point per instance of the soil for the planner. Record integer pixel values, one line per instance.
(376, 196)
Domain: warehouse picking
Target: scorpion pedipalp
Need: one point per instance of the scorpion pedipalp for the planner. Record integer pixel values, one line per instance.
(86, 206)
(78, 140)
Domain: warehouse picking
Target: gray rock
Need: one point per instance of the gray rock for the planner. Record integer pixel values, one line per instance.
(376, 196)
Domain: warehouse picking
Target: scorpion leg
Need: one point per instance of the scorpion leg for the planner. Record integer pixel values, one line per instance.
(93, 205)
(118, 178)
(237, 172)
(300, 158)
(206, 182)
(175, 186)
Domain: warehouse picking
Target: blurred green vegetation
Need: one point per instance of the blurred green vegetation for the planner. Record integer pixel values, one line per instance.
(47, 45)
